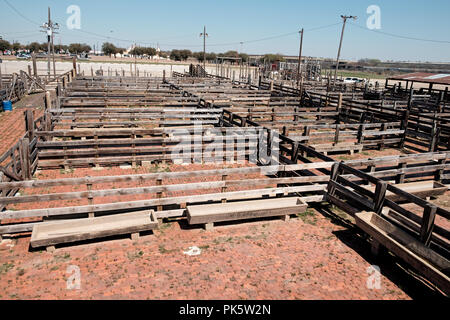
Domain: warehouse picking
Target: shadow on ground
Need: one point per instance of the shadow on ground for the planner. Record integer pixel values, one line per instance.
(390, 266)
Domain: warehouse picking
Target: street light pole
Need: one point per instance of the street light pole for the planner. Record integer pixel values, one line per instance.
(49, 34)
(49, 28)
(340, 45)
(204, 34)
(299, 70)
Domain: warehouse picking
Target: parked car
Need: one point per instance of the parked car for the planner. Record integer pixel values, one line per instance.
(353, 80)
(83, 56)
(23, 56)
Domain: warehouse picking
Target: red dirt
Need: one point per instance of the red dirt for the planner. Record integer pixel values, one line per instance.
(12, 126)
(305, 258)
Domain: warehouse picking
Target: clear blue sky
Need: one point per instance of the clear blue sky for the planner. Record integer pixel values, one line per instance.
(178, 23)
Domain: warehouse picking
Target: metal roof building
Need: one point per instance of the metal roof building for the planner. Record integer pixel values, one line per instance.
(422, 77)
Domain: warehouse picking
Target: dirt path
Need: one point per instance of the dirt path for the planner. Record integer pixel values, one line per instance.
(12, 124)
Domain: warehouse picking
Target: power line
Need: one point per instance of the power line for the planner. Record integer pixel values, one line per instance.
(19, 32)
(34, 34)
(171, 44)
(20, 14)
(229, 43)
(274, 37)
(399, 36)
(323, 27)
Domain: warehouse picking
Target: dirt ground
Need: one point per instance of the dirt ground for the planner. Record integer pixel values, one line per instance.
(312, 256)
(316, 255)
(12, 124)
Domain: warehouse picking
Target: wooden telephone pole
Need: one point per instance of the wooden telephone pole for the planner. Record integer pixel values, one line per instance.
(49, 28)
(204, 34)
(340, 45)
(299, 70)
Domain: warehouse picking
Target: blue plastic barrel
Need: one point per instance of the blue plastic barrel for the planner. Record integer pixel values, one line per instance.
(7, 105)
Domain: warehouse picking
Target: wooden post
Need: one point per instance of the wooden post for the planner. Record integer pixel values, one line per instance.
(434, 137)
(336, 135)
(48, 101)
(406, 118)
(74, 63)
(90, 200)
(438, 174)
(380, 193)
(25, 164)
(371, 169)
(426, 229)
(294, 156)
(383, 128)
(400, 178)
(361, 130)
(159, 194)
(224, 189)
(29, 123)
(339, 105)
(35, 70)
(47, 122)
(333, 176)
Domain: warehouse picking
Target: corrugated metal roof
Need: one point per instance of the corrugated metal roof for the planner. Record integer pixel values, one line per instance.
(435, 78)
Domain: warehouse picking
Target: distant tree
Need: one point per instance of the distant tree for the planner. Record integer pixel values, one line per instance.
(16, 46)
(4, 45)
(231, 54)
(185, 54)
(109, 49)
(43, 46)
(79, 48)
(86, 47)
(136, 51)
(61, 47)
(198, 56)
(163, 54)
(179, 55)
(150, 51)
(371, 62)
(34, 47)
(175, 55)
(271, 58)
(211, 56)
(140, 51)
(244, 57)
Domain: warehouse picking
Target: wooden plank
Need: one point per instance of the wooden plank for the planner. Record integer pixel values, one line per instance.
(52, 233)
(421, 258)
(235, 195)
(163, 188)
(245, 210)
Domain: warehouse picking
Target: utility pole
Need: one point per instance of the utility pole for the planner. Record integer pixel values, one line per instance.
(53, 54)
(299, 70)
(204, 35)
(340, 45)
(49, 28)
(135, 60)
